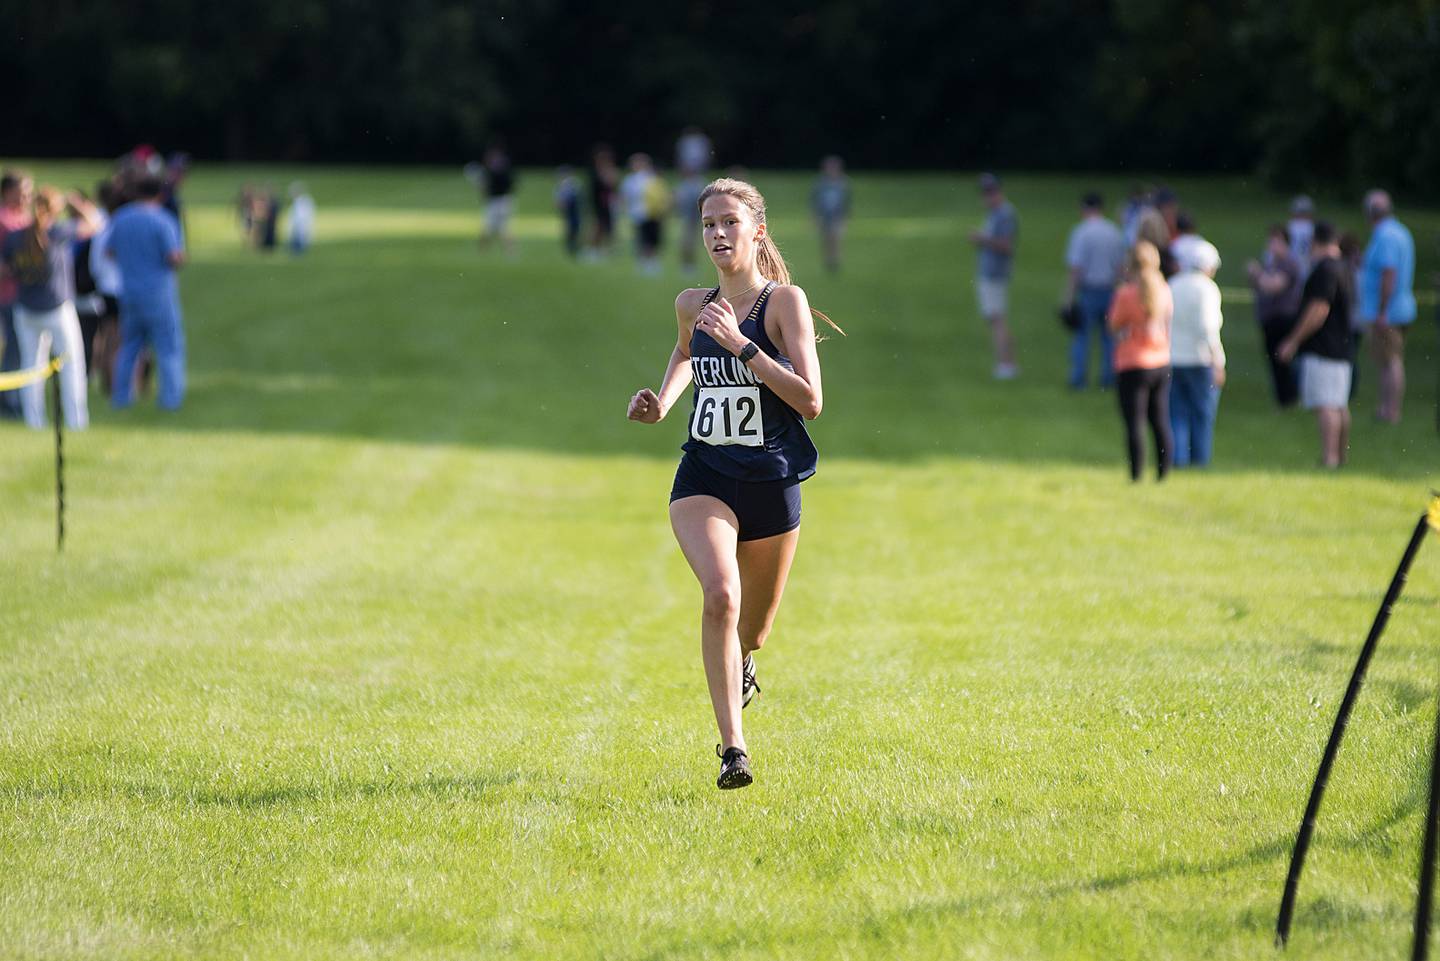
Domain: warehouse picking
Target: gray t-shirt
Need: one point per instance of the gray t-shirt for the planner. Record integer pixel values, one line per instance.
(45, 276)
(830, 198)
(1002, 224)
(1097, 250)
(1286, 304)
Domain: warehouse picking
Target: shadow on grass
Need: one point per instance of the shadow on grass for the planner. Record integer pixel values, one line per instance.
(1321, 911)
(461, 788)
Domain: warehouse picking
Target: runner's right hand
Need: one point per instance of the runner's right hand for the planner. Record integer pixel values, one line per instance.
(644, 407)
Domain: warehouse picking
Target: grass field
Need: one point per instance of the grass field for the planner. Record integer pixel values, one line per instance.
(382, 647)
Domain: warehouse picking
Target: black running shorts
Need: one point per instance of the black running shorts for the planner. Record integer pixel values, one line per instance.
(764, 508)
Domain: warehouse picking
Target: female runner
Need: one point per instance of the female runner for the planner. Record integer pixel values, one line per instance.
(749, 347)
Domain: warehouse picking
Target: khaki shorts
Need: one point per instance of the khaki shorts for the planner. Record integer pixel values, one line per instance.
(994, 297)
(1387, 342)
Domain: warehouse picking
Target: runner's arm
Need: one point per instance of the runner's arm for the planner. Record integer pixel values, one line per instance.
(801, 388)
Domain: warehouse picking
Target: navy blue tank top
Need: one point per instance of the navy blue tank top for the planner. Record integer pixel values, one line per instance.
(738, 426)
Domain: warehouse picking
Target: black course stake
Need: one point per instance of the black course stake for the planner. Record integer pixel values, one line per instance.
(1420, 949)
(1332, 747)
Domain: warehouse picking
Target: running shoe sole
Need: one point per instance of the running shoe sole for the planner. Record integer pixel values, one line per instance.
(734, 776)
(735, 773)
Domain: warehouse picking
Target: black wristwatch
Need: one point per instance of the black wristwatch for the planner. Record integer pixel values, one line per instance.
(748, 352)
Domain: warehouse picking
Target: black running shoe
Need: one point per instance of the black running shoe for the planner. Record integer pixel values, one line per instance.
(734, 768)
(748, 687)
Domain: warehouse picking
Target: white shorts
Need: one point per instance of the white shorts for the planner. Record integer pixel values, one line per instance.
(994, 296)
(1324, 382)
(497, 214)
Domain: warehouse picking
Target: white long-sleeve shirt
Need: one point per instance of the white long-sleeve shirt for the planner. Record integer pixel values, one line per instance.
(1195, 329)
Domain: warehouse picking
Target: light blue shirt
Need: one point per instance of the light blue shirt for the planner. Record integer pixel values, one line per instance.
(1391, 248)
(142, 238)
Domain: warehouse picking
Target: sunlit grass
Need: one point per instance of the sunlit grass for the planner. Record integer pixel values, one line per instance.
(382, 647)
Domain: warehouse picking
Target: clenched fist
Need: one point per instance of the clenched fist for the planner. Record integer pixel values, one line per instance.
(645, 407)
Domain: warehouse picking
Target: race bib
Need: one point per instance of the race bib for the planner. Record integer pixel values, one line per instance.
(728, 415)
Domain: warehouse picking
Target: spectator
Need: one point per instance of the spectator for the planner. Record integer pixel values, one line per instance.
(1162, 228)
(1277, 281)
(996, 243)
(658, 202)
(17, 194)
(302, 218)
(499, 203)
(1197, 357)
(106, 275)
(89, 302)
(245, 212)
(1186, 239)
(645, 199)
(268, 220)
(145, 242)
(41, 259)
(1301, 229)
(693, 152)
(1387, 299)
(694, 155)
(1139, 318)
(567, 204)
(604, 180)
(1352, 255)
(1095, 256)
(177, 168)
(830, 200)
(687, 204)
(1321, 337)
(1135, 204)
(1149, 223)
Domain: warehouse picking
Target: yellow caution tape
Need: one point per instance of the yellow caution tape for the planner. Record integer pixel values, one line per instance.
(21, 378)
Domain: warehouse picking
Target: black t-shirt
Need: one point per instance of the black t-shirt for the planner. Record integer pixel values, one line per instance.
(499, 181)
(1330, 282)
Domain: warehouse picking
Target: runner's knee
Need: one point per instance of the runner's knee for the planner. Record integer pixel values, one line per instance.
(722, 601)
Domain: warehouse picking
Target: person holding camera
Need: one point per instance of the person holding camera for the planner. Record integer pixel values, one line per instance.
(1095, 255)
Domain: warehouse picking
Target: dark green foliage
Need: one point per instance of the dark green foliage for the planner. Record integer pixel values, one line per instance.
(1310, 92)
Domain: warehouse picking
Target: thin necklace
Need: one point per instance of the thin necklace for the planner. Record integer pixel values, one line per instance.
(745, 291)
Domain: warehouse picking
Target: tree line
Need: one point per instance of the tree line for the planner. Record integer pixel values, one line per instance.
(1308, 91)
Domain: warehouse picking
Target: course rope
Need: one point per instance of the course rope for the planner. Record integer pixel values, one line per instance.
(16, 379)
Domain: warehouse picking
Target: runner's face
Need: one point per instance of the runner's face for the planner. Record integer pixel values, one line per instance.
(731, 234)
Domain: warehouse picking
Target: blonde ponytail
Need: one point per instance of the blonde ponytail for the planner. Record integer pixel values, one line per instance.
(771, 264)
(767, 255)
(1144, 266)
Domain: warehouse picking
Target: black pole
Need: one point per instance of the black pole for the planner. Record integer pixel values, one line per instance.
(1420, 950)
(59, 465)
(1332, 747)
